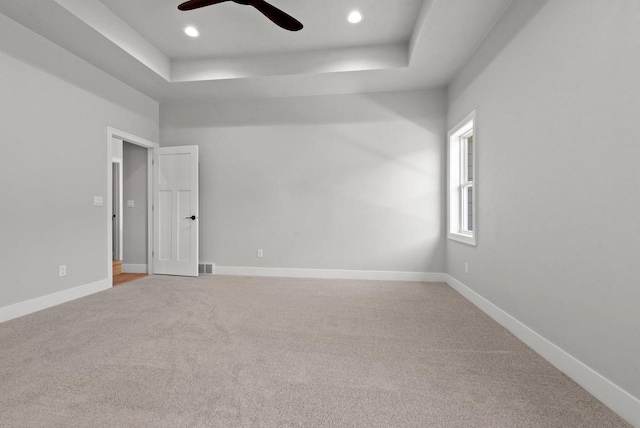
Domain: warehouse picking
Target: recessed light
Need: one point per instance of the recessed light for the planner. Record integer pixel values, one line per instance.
(355, 17)
(191, 32)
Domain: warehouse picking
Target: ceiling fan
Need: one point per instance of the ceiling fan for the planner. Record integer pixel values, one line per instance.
(273, 13)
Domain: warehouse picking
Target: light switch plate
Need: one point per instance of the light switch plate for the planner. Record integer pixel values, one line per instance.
(98, 201)
(130, 203)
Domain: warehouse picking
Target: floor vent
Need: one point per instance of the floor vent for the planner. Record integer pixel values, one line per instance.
(205, 268)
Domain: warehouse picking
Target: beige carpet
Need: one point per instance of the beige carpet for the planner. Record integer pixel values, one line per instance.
(259, 352)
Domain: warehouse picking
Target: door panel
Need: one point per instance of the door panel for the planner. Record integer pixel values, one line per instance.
(184, 211)
(175, 202)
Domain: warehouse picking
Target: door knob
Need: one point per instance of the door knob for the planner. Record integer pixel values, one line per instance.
(191, 218)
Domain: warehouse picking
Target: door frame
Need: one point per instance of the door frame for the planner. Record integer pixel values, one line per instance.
(150, 146)
(116, 203)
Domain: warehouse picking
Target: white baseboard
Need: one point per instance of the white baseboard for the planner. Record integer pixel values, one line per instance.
(39, 303)
(129, 268)
(616, 398)
(331, 274)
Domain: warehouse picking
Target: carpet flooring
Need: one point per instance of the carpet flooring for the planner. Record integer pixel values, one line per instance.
(220, 351)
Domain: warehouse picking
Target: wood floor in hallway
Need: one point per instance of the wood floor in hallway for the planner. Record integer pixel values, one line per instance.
(120, 277)
(127, 277)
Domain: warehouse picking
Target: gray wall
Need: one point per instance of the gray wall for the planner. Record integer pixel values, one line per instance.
(326, 182)
(134, 187)
(558, 126)
(53, 137)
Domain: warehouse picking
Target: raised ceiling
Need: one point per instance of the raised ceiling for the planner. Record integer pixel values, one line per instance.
(229, 29)
(399, 45)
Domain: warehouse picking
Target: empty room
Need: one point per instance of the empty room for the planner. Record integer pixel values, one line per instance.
(294, 213)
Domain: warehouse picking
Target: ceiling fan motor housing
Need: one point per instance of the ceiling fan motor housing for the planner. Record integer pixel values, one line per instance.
(279, 17)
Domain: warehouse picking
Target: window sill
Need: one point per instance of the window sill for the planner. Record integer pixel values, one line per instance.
(463, 238)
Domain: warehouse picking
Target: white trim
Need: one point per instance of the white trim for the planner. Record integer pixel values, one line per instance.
(330, 274)
(132, 268)
(150, 212)
(454, 223)
(461, 237)
(130, 138)
(614, 397)
(150, 145)
(39, 303)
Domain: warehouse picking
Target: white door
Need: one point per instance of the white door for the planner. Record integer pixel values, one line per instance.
(175, 211)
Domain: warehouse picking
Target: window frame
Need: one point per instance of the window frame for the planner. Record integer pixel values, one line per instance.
(459, 183)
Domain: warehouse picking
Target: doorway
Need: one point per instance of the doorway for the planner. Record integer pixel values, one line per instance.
(172, 186)
(138, 205)
(116, 215)
(131, 197)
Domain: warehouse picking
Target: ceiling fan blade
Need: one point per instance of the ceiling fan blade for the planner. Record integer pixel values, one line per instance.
(196, 4)
(277, 16)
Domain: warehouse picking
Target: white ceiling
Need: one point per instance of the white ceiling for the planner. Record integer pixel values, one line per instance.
(399, 45)
(229, 29)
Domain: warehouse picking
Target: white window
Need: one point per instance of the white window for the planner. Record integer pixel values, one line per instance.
(462, 182)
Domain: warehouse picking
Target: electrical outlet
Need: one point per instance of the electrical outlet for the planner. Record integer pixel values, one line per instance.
(466, 267)
(62, 270)
(260, 254)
